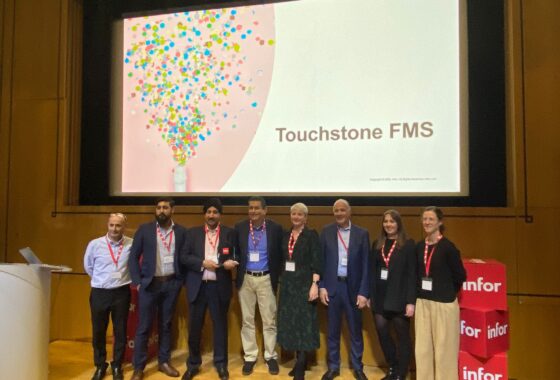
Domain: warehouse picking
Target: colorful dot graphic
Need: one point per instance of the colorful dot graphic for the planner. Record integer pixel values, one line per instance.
(184, 68)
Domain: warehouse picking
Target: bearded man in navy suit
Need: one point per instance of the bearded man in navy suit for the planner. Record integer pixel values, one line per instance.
(154, 270)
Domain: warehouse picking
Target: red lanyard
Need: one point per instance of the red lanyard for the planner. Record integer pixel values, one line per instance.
(428, 259)
(342, 240)
(256, 242)
(165, 244)
(215, 243)
(121, 246)
(292, 243)
(388, 257)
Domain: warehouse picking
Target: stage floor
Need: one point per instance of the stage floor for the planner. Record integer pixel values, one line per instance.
(73, 360)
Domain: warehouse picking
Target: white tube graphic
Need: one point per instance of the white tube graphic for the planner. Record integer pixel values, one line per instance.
(180, 179)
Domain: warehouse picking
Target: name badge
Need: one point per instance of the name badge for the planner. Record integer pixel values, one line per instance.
(344, 261)
(290, 266)
(116, 275)
(427, 284)
(254, 256)
(168, 259)
(384, 274)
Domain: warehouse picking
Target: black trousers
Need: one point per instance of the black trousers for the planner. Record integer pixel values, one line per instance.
(396, 355)
(158, 297)
(208, 298)
(104, 303)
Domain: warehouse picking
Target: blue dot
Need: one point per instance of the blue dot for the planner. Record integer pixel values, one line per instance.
(243, 36)
(254, 104)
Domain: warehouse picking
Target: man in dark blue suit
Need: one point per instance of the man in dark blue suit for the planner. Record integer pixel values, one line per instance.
(209, 259)
(154, 270)
(344, 287)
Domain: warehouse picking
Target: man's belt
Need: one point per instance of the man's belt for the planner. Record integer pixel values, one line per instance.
(257, 274)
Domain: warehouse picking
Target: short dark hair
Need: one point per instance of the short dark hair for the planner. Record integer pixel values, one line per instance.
(212, 202)
(257, 198)
(169, 200)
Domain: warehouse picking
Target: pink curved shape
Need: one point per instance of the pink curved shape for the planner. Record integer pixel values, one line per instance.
(231, 117)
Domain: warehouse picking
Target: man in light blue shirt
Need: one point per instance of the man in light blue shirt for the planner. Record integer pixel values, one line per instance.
(106, 262)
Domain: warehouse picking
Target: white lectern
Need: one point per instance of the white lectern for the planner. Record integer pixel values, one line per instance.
(25, 297)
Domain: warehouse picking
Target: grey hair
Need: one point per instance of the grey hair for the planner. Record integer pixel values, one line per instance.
(299, 207)
(342, 201)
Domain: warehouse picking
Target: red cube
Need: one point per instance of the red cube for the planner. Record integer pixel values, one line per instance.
(473, 368)
(484, 332)
(485, 286)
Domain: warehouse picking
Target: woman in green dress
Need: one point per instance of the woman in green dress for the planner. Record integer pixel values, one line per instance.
(298, 325)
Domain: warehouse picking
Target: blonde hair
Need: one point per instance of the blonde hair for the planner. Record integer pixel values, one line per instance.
(299, 207)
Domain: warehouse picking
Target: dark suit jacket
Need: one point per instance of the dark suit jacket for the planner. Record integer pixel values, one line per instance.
(399, 289)
(193, 257)
(145, 246)
(274, 249)
(358, 259)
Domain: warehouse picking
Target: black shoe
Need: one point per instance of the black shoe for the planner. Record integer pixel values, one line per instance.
(331, 374)
(223, 373)
(248, 367)
(273, 368)
(100, 372)
(359, 374)
(390, 375)
(117, 373)
(191, 372)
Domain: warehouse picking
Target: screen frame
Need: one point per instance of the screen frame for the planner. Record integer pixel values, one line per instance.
(486, 115)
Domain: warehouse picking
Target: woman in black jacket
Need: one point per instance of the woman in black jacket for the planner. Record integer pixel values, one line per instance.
(393, 292)
(440, 277)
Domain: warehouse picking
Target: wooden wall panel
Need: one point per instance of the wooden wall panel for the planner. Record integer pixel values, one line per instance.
(542, 60)
(37, 46)
(32, 173)
(538, 253)
(70, 315)
(534, 338)
(6, 25)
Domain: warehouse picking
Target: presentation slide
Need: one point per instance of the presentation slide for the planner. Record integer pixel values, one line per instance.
(308, 97)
